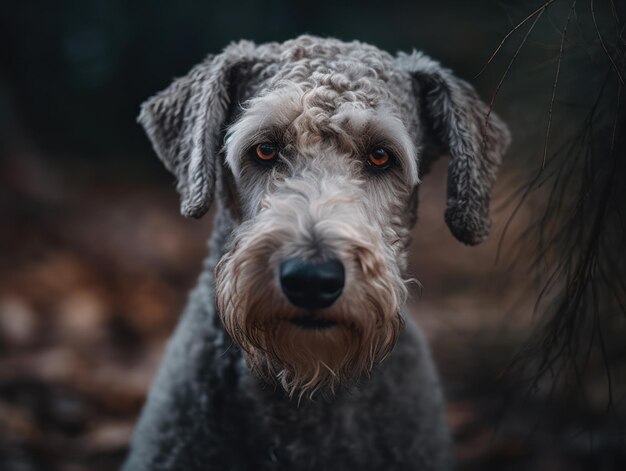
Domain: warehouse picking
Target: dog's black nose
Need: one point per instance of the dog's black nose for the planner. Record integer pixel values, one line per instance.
(312, 285)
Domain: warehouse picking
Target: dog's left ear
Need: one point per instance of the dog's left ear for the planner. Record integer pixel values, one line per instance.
(456, 120)
(185, 122)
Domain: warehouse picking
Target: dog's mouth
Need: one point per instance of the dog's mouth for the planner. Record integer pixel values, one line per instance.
(312, 322)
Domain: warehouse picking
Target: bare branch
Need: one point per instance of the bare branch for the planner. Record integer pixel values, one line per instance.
(606, 51)
(539, 11)
(506, 71)
(617, 23)
(556, 80)
(619, 96)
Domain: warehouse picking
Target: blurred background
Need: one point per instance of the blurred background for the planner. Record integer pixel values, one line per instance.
(528, 329)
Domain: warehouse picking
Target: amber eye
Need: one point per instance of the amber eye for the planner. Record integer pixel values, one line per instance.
(266, 152)
(379, 158)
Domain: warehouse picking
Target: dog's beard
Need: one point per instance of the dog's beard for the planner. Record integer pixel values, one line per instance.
(357, 331)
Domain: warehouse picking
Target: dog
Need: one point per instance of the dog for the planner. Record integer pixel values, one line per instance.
(294, 352)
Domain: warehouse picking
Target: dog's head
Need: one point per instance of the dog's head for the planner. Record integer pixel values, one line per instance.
(316, 146)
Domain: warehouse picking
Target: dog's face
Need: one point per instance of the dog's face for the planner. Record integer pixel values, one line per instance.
(320, 161)
(312, 286)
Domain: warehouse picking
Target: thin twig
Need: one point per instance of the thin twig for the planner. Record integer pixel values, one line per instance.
(539, 10)
(606, 51)
(617, 23)
(506, 72)
(586, 43)
(556, 80)
(614, 131)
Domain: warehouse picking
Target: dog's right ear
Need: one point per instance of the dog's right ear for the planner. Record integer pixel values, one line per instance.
(185, 122)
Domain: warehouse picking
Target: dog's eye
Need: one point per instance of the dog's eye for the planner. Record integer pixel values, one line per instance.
(380, 158)
(266, 152)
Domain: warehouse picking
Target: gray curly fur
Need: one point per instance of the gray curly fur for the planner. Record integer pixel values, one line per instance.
(206, 409)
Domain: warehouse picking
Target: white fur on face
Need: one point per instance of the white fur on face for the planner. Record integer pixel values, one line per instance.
(316, 214)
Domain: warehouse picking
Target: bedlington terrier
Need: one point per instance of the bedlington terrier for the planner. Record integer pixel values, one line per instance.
(295, 351)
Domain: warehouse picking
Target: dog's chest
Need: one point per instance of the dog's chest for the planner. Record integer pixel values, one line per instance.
(363, 428)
